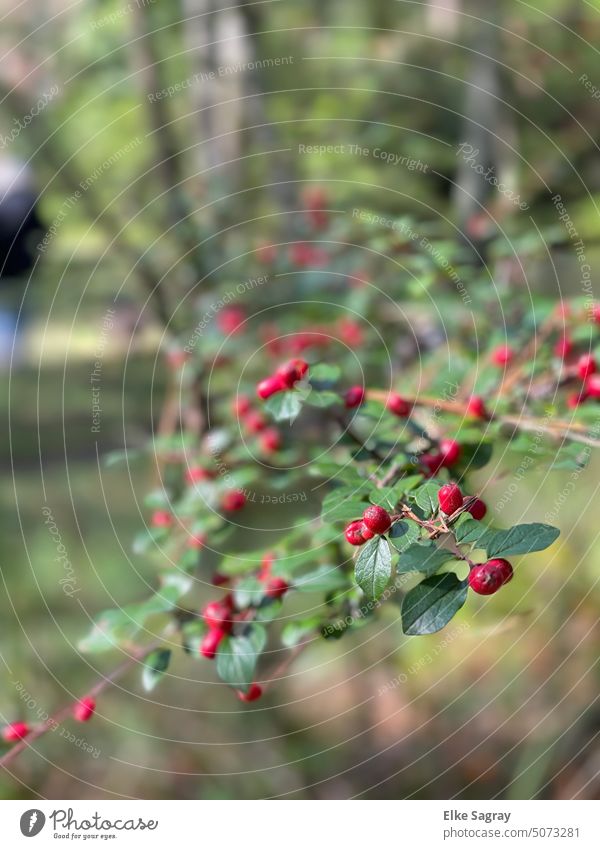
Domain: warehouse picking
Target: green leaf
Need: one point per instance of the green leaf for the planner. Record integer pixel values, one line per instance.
(374, 567)
(324, 373)
(423, 557)
(426, 498)
(404, 533)
(343, 504)
(294, 632)
(237, 657)
(284, 406)
(468, 530)
(248, 592)
(322, 398)
(324, 579)
(155, 666)
(522, 539)
(386, 496)
(430, 605)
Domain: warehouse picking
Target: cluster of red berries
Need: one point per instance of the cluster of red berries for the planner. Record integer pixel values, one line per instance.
(447, 456)
(587, 372)
(375, 520)
(286, 376)
(83, 710)
(255, 423)
(451, 500)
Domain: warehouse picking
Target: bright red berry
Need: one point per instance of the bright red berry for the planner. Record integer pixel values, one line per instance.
(84, 709)
(586, 365)
(241, 405)
(269, 386)
(210, 643)
(592, 386)
(450, 498)
(233, 500)
(15, 731)
(476, 407)
(563, 347)
(397, 404)
(450, 450)
(276, 588)
(487, 578)
(217, 615)
(253, 693)
(354, 397)
(270, 440)
(355, 533)
(477, 508)
(161, 519)
(292, 372)
(575, 399)
(502, 355)
(377, 519)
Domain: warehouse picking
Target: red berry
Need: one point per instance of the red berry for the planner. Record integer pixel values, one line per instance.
(476, 407)
(217, 615)
(586, 365)
(450, 451)
(84, 709)
(231, 319)
(596, 313)
(502, 355)
(197, 474)
(161, 519)
(350, 332)
(432, 462)
(254, 422)
(477, 508)
(241, 405)
(269, 386)
(377, 519)
(450, 498)
(353, 533)
(253, 693)
(15, 731)
(397, 404)
(487, 578)
(270, 440)
(233, 500)
(592, 386)
(290, 373)
(210, 643)
(354, 397)
(219, 580)
(276, 588)
(563, 347)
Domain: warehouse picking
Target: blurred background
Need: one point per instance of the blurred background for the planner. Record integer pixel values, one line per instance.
(144, 147)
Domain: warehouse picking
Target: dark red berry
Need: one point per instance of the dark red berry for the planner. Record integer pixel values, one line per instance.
(450, 451)
(292, 372)
(84, 709)
(586, 365)
(254, 422)
(477, 508)
(269, 386)
(233, 500)
(270, 440)
(354, 396)
(563, 347)
(210, 643)
(450, 498)
(476, 407)
(377, 519)
(276, 587)
(397, 404)
(432, 462)
(15, 731)
(487, 578)
(253, 693)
